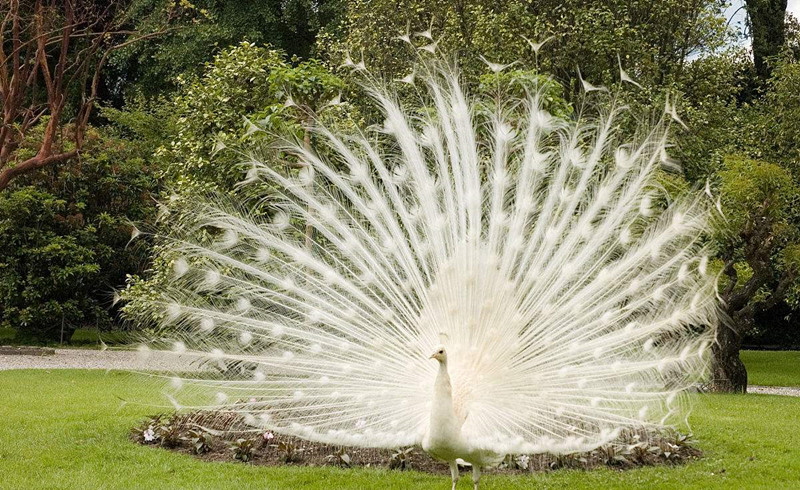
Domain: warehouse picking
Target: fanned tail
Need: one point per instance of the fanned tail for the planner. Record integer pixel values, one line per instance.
(573, 294)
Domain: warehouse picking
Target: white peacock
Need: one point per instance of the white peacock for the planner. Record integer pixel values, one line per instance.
(573, 297)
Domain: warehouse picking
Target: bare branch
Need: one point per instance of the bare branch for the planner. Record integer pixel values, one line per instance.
(49, 49)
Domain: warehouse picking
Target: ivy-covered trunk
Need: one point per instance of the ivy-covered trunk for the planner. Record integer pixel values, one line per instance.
(768, 30)
(728, 373)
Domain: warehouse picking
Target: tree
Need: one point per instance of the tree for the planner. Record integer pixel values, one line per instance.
(759, 240)
(653, 39)
(772, 130)
(760, 255)
(153, 67)
(52, 54)
(768, 31)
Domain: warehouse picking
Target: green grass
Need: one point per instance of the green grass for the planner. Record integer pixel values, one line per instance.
(772, 368)
(67, 429)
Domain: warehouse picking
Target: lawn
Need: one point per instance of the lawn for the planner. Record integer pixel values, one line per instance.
(772, 368)
(67, 429)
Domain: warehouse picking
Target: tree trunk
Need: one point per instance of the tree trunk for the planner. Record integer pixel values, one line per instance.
(728, 373)
(768, 31)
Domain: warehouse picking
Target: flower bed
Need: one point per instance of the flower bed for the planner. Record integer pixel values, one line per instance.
(223, 436)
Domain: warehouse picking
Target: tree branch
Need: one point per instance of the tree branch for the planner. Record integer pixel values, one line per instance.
(38, 42)
(9, 173)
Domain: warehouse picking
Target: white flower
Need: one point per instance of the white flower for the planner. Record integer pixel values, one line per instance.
(149, 434)
(268, 436)
(523, 461)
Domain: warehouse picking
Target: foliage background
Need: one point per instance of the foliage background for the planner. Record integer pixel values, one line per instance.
(179, 112)
(64, 239)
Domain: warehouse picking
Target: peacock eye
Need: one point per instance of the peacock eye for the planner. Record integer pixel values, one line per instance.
(441, 352)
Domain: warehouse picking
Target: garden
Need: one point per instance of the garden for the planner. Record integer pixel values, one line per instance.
(73, 431)
(363, 244)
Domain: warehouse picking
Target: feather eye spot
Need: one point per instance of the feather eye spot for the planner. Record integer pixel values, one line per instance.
(263, 254)
(245, 338)
(180, 267)
(281, 220)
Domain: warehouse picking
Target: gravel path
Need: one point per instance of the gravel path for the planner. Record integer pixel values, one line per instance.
(95, 359)
(90, 359)
(774, 390)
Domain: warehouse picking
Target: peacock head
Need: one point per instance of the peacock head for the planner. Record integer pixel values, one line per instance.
(440, 354)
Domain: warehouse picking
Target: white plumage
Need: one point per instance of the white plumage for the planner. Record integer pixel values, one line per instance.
(571, 299)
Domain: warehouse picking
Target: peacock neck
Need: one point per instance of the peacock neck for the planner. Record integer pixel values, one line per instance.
(443, 377)
(442, 410)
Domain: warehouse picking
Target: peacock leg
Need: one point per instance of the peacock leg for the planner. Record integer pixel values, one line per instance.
(476, 476)
(454, 473)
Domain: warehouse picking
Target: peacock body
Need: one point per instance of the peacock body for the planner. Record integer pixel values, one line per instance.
(571, 294)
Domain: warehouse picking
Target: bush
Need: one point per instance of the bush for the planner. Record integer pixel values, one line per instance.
(63, 240)
(219, 117)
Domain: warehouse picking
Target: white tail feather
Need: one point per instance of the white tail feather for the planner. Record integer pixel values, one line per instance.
(572, 301)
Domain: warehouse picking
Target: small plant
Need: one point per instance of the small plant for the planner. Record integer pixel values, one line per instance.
(339, 458)
(170, 434)
(516, 462)
(670, 452)
(289, 453)
(639, 451)
(657, 451)
(149, 435)
(200, 441)
(147, 432)
(612, 455)
(571, 460)
(682, 440)
(401, 459)
(267, 438)
(243, 449)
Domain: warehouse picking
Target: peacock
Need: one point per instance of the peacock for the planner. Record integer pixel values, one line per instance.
(474, 275)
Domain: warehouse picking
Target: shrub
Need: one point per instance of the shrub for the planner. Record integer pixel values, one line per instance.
(238, 100)
(63, 239)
